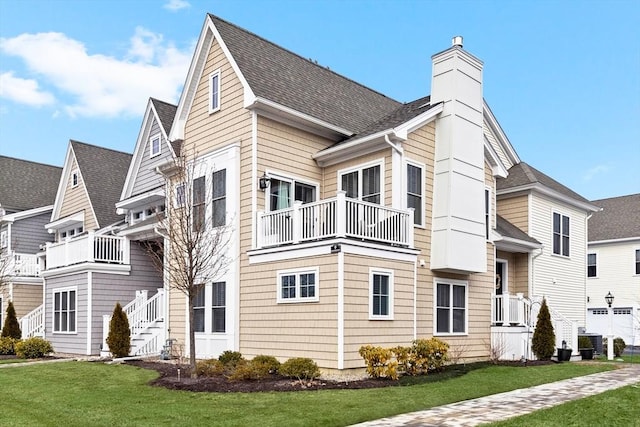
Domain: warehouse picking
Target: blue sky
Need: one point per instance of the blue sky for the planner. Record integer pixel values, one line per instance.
(562, 78)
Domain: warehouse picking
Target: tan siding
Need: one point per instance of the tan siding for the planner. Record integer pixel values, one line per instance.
(76, 200)
(26, 297)
(521, 272)
(496, 146)
(516, 211)
(178, 316)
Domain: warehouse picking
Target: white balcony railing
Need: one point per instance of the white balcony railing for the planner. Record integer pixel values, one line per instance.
(509, 309)
(32, 324)
(335, 217)
(88, 248)
(23, 265)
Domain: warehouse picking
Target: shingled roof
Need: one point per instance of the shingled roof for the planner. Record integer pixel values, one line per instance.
(506, 229)
(523, 174)
(27, 185)
(286, 78)
(104, 172)
(166, 113)
(618, 219)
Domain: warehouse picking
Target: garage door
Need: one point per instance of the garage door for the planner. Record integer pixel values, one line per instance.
(623, 323)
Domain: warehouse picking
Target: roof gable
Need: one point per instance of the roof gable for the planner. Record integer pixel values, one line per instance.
(26, 184)
(618, 219)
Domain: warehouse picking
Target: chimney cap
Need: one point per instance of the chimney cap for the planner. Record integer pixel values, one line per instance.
(457, 41)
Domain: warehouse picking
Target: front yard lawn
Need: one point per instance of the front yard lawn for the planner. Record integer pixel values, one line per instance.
(85, 393)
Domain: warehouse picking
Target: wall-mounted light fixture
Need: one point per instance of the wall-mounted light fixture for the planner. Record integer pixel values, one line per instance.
(264, 181)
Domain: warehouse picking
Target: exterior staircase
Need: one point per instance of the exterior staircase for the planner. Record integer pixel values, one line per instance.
(146, 324)
(32, 324)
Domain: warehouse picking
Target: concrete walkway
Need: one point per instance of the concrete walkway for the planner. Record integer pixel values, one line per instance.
(501, 406)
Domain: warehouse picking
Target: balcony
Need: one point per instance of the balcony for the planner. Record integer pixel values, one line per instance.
(23, 265)
(88, 248)
(334, 218)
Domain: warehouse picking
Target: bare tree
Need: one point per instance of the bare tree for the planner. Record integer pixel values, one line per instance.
(196, 231)
(6, 267)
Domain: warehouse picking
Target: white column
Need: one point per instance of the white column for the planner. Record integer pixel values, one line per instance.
(610, 335)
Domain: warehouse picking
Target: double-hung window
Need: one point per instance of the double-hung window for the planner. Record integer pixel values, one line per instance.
(450, 307)
(364, 184)
(198, 310)
(414, 192)
(380, 294)
(592, 265)
(210, 301)
(64, 310)
(75, 178)
(198, 203)
(214, 91)
(180, 195)
(218, 307)
(560, 234)
(298, 285)
(637, 261)
(283, 192)
(219, 199)
(4, 239)
(154, 146)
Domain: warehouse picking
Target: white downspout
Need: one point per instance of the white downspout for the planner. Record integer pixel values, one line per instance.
(398, 182)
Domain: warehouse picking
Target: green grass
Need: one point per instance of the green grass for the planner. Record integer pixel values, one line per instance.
(83, 393)
(6, 361)
(618, 407)
(625, 358)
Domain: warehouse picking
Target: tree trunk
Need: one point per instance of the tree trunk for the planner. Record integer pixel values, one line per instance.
(192, 341)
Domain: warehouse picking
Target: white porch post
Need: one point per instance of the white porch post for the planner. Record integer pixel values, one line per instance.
(341, 214)
(296, 223)
(260, 229)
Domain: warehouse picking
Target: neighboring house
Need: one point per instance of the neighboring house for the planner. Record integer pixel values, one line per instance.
(613, 265)
(88, 267)
(27, 193)
(361, 220)
(556, 217)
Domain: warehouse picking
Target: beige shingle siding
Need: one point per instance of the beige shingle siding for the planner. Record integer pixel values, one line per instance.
(516, 211)
(491, 137)
(75, 199)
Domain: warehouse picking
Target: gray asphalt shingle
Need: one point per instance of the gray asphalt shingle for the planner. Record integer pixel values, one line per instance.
(27, 185)
(618, 219)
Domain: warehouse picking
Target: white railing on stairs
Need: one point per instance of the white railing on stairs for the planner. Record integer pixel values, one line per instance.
(32, 324)
(509, 309)
(143, 314)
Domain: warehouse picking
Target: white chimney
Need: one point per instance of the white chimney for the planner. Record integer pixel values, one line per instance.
(458, 235)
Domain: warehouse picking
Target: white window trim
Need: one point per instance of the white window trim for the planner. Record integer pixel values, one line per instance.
(219, 98)
(154, 137)
(297, 272)
(505, 273)
(587, 263)
(435, 307)
(562, 214)
(423, 186)
(53, 311)
(489, 214)
(292, 179)
(382, 272)
(360, 167)
(75, 176)
(4, 240)
(633, 261)
(180, 202)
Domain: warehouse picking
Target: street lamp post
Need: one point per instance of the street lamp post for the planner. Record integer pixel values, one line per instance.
(609, 299)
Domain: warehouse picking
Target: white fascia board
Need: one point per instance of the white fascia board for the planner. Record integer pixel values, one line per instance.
(509, 244)
(26, 214)
(64, 178)
(542, 189)
(498, 169)
(75, 218)
(497, 130)
(420, 120)
(341, 152)
(208, 34)
(612, 241)
(314, 125)
(123, 205)
(138, 153)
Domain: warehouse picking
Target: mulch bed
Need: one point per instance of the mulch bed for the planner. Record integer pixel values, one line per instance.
(169, 378)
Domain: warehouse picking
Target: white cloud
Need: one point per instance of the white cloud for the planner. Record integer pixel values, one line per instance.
(596, 170)
(99, 85)
(23, 91)
(175, 5)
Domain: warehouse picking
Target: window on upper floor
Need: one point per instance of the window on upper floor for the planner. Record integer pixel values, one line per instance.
(637, 261)
(214, 91)
(198, 204)
(415, 175)
(180, 195)
(592, 266)
(75, 178)
(560, 234)
(380, 294)
(363, 183)
(4, 239)
(64, 310)
(284, 191)
(450, 307)
(219, 199)
(299, 285)
(487, 213)
(154, 146)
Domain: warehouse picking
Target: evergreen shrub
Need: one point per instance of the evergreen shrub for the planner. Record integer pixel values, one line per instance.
(230, 358)
(8, 346)
(119, 338)
(11, 326)
(544, 338)
(301, 368)
(209, 368)
(33, 348)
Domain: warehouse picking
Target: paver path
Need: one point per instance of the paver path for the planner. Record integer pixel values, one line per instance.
(501, 406)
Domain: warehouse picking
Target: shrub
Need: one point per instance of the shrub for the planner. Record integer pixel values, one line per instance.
(11, 326)
(544, 339)
(209, 368)
(380, 363)
(230, 358)
(301, 368)
(618, 346)
(33, 348)
(429, 354)
(584, 342)
(404, 358)
(266, 364)
(119, 338)
(8, 346)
